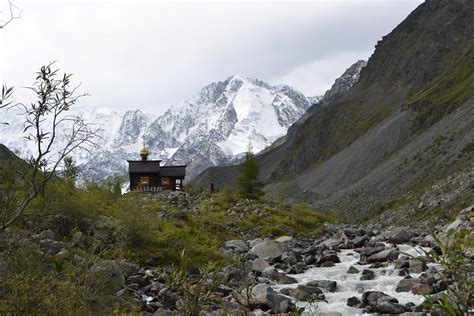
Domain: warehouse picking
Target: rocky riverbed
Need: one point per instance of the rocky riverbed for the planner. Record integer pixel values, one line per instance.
(351, 270)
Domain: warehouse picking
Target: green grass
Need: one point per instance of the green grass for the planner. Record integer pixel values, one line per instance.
(453, 87)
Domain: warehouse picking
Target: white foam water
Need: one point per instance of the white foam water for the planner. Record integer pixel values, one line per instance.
(349, 285)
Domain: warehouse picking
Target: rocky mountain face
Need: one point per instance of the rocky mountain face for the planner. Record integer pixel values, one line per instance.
(215, 126)
(406, 123)
(220, 122)
(340, 87)
(343, 83)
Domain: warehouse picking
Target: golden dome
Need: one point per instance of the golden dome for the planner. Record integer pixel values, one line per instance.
(144, 152)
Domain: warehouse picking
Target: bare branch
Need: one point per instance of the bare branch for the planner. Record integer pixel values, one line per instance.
(46, 119)
(12, 14)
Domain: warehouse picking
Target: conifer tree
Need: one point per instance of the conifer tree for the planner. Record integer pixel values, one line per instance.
(250, 187)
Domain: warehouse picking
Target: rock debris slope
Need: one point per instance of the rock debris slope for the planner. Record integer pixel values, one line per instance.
(406, 123)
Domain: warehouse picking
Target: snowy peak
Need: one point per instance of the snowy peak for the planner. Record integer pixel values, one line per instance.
(131, 128)
(224, 117)
(345, 82)
(211, 127)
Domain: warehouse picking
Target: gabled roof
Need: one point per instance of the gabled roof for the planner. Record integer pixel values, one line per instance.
(173, 171)
(153, 166)
(140, 166)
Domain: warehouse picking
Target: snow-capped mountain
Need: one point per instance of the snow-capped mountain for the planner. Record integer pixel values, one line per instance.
(343, 83)
(104, 118)
(225, 118)
(214, 126)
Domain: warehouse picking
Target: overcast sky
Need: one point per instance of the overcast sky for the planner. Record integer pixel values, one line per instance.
(150, 55)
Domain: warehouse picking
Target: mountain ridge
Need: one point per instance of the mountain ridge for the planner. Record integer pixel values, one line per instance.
(211, 127)
(328, 158)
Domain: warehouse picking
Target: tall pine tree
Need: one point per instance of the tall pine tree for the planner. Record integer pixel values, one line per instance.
(250, 187)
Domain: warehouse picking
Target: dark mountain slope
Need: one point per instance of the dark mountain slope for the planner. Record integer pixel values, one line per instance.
(404, 63)
(5, 153)
(415, 93)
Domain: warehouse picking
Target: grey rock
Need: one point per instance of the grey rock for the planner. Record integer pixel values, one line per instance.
(417, 265)
(281, 278)
(368, 251)
(138, 279)
(384, 255)
(352, 270)
(304, 292)
(367, 275)
(360, 241)
(264, 295)
(336, 240)
(110, 271)
(405, 285)
(328, 256)
(328, 285)
(50, 245)
(168, 298)
(289, 258)
(353, 302)
(399, 235)
(327, 264)
(258, 265)
(236, 245)
(46, 234)
(422, 289)
(374, 298)
(268, 249)
(390, 308)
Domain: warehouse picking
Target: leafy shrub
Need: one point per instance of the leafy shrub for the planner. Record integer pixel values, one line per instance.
(37, 283)
(456, 271)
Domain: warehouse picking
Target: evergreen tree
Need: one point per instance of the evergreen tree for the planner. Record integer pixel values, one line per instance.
(250, 187)
(70, 170)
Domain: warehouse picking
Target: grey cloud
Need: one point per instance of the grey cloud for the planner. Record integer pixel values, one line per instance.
(150, 55)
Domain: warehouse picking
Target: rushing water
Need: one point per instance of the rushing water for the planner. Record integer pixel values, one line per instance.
(349, 285)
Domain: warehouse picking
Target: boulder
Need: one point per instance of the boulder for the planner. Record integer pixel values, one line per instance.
(417, 265)
(422, 289)
(298, 268)
(337, 239)
(268, 249)
(402, 264)
(289, 258)
(235, 275)
(236, 245)
(384, 255)
(351, 232)
(328, 285)
(49, 245)
(352, 270)
(328, 256)
(405, 285)
(374, 298)
(367, 275)
(368, 251)
(353, 302)
(141, 280)
(399, 235)
(360, 241)
(272, 274)
(168, 298)
(305, 292)
(258, 265)
(262, 295)
(111, 272)
(46, 234)
(389, 308)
